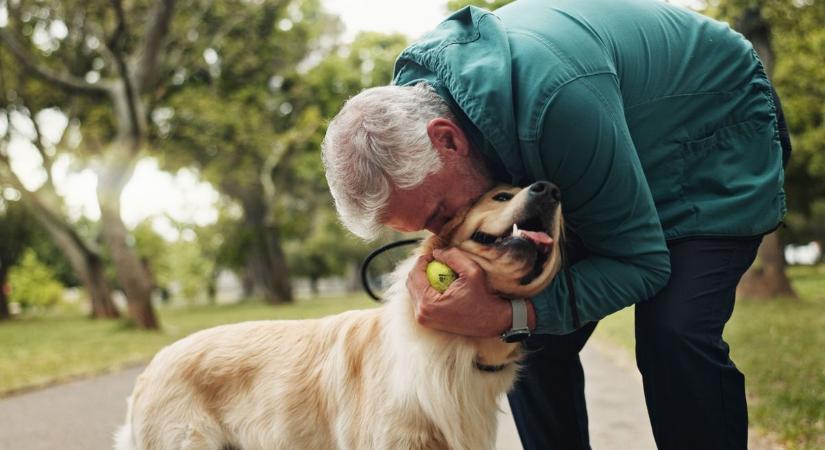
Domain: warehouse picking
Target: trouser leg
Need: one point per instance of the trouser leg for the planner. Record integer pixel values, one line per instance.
(548, 399)
(695, 394)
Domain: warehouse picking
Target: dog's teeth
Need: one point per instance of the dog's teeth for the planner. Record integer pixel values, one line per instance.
(515, 230)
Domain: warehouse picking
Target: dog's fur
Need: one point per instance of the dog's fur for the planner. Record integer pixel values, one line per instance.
(370, 379)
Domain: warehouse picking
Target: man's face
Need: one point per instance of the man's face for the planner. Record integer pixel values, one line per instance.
(434, 202)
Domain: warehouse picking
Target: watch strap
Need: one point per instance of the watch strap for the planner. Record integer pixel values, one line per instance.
(519, 330)
(519, 306)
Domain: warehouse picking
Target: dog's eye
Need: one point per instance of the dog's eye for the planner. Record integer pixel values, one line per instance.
(502, 196)
(483, 238)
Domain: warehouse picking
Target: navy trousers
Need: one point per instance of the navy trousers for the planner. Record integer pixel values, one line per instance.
(695, 395)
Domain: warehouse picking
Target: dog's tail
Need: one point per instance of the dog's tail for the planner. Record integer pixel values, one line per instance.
(124, 438)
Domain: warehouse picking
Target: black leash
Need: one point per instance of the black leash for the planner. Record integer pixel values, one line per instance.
(365, 265)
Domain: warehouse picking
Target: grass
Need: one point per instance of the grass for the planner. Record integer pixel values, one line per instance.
(43, 350)
(779, 346)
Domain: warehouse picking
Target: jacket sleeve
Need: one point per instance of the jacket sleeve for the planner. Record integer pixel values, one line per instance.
(587, 151)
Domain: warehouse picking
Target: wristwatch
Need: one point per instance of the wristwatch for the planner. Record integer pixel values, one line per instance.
(519, 331)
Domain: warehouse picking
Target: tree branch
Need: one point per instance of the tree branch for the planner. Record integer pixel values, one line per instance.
(67, 82)
(152, 42)
(38, 134)
(117, 44)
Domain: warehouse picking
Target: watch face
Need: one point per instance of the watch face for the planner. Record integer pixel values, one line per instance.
(515, 336)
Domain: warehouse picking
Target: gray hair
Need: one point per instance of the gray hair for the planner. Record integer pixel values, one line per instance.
(379, 140)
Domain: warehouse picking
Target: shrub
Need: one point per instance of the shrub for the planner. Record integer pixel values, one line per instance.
(33, 284)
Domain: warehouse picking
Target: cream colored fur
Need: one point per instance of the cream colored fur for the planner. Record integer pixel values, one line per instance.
(370, 379)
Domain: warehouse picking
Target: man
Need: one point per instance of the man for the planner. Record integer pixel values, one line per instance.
(661, 130)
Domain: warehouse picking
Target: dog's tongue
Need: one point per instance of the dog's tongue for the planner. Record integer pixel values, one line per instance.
(540, 238)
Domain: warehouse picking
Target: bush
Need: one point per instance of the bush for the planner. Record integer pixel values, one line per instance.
(33, 284)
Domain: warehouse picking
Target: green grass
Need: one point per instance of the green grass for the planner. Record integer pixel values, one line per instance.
(780, 347)
(38, 351)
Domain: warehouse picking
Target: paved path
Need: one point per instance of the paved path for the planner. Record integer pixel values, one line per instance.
(82, 415)
(615, 404)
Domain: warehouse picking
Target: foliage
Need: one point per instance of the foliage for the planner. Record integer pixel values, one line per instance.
(489, 5)
(33, 284)
(15, 230)
(318, 244)
(262, 152)
(19, 231)
(184, 268)
(193, 274)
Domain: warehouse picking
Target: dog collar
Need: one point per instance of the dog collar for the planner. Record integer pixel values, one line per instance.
(489, 368)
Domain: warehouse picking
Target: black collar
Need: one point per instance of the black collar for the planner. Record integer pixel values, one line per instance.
(489, 368)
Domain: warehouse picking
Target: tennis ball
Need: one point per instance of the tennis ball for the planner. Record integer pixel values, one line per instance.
(440, 275)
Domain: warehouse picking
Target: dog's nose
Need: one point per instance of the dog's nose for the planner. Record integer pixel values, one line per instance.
(545, 189)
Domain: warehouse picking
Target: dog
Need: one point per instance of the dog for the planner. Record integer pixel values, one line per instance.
(365, 379)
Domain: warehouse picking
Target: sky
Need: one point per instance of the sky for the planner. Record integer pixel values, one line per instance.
(166, 198)
(388, 16)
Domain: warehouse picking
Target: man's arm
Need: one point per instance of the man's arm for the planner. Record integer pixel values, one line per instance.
(587, 151)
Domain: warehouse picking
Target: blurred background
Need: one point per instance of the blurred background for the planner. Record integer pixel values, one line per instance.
(160, 173)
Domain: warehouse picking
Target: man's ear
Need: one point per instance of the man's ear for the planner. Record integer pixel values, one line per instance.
(447, 136)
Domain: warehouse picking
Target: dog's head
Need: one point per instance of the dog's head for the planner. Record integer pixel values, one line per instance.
(513, 234)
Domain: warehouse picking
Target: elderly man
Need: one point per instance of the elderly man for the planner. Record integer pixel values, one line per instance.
(662, 131)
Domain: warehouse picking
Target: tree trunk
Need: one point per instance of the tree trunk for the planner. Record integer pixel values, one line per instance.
(280, 286)
(85, 261)
(267, 269)
(131, 273)
(98, 288)
(132, 276)
(266, 262)
(4, 302)
(766, 278)
(313, 286)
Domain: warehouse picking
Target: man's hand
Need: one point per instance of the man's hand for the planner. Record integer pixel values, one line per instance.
(468, 307)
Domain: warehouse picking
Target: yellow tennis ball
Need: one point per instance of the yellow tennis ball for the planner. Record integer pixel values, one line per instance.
(440, 275)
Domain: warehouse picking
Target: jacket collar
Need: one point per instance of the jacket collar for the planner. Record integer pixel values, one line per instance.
(467, 60)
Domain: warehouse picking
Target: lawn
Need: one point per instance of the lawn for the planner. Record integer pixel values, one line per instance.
(38, 351)
(778, 345)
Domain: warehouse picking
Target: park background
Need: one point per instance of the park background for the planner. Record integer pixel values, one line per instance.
(160, 173)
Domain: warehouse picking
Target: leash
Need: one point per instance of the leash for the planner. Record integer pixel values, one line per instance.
(365, 264)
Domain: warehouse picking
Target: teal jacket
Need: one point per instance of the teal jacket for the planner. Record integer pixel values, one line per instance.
(655, 122)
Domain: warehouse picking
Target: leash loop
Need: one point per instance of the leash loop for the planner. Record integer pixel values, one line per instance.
(365, 264)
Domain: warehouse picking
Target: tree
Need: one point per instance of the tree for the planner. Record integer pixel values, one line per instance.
(15, 224)
(318, 245)
(228, 110)
(252, 121)
(44, 203)
(100, 58)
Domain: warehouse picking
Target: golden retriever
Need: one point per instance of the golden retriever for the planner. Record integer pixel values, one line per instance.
(368, 379)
